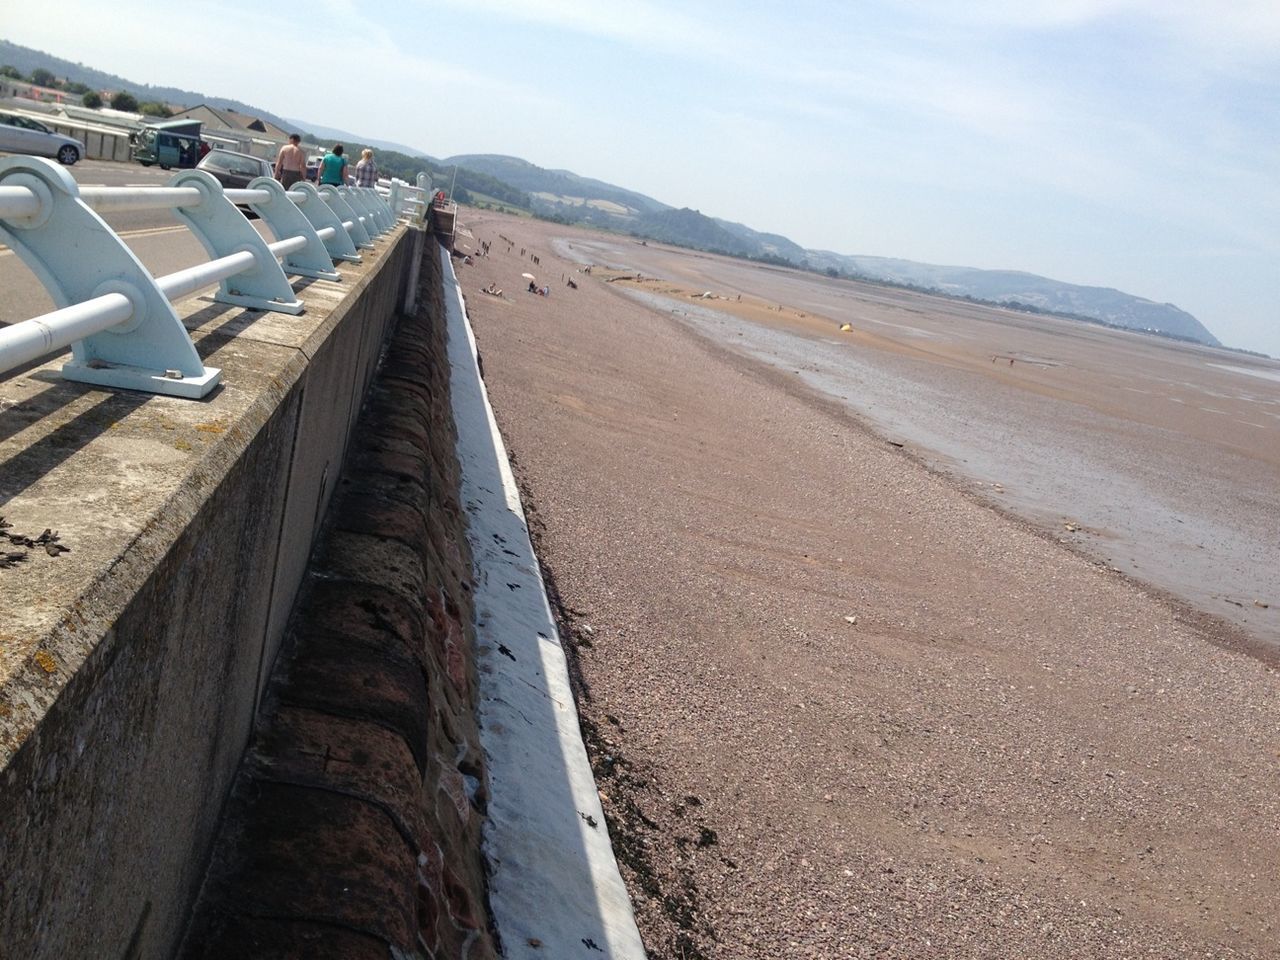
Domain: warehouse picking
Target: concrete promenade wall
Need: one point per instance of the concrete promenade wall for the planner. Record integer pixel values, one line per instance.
(131, 667)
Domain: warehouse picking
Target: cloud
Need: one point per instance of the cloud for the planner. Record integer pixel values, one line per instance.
(1250, 27)
(638, 23)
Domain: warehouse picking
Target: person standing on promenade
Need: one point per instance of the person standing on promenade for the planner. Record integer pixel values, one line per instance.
(291, 163)
(333, 168)
(366, 170)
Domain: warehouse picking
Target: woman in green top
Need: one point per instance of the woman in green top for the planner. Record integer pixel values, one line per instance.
(333, 168)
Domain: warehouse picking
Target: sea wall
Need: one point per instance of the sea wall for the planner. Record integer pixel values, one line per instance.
(354, 828)
(131, 668)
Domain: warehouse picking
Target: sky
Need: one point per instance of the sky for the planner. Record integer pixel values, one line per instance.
(1121, 143)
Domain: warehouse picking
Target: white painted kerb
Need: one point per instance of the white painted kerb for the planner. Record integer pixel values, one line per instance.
(554, 885)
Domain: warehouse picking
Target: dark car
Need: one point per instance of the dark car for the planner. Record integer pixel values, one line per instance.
(234, 170)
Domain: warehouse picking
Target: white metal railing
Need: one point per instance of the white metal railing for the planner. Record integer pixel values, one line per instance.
(119, 319)
(411, 199)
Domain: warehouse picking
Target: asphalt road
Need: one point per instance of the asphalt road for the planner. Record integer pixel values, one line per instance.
(155, 236)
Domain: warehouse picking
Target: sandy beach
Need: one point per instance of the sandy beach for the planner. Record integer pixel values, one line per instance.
(845, 700)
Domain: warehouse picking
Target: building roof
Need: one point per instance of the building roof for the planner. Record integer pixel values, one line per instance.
(235, 122)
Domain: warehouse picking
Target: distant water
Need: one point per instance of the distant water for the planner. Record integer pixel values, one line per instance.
(1216, 547)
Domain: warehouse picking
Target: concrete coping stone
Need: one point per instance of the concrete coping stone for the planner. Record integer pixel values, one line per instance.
(118, 475)
(554, 885)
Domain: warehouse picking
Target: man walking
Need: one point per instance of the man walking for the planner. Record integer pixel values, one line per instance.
(291, 164)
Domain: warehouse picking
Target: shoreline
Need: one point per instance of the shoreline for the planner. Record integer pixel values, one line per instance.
(1218, 628)
(839, 705)
(1126, 530)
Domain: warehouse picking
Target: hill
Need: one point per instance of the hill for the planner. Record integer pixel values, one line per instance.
(689, 228)
(768, 245)
(1023, 290)
(566, 196)
(26, 59)
(560, 191)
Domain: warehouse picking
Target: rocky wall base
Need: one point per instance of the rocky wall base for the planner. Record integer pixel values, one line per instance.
(354, 827)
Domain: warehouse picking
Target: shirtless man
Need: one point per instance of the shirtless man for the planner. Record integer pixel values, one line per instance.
(291, 164)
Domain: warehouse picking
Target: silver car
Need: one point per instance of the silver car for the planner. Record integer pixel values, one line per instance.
(20, 134)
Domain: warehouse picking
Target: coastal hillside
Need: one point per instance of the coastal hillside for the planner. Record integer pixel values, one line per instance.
(768, 245)
(1023, 290)
(689, 228)
(26, 59)
(570, 198)
(560, 191)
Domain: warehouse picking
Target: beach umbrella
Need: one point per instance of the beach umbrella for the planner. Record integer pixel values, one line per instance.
(528, 276)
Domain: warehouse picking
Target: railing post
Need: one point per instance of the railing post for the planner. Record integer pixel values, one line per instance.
(359, 202)
(286, 220)
(78, 257)
(333, 197)
(224, 230)
(373, 203)
(382, 209)
(424, 211)
(321, 215)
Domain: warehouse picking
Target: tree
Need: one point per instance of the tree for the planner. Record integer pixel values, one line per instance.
(12, 72)
(44, 78)
(76, 87)
(152, 108)
(92, 100)
(125, 101)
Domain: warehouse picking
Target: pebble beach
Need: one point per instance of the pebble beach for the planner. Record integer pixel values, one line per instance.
(838, 703)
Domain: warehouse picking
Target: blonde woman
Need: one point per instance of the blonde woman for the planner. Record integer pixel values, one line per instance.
(366, 170)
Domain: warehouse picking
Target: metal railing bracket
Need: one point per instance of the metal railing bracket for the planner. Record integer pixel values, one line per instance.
(286, 220)
(320, 215)
(224, 230)
(77, 257)
(334, 197)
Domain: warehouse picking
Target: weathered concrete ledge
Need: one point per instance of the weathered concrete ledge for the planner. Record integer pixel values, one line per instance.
(131, 667)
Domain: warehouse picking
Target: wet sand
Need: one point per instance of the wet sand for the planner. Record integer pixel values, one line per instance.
(1157, 458)
(842, 702)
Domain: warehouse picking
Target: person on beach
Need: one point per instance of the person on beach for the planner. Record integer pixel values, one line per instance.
(366, 170)
(333, 168)
(291, 162)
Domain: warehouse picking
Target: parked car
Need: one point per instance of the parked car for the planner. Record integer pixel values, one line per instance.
(233, 169)
(20, 134)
